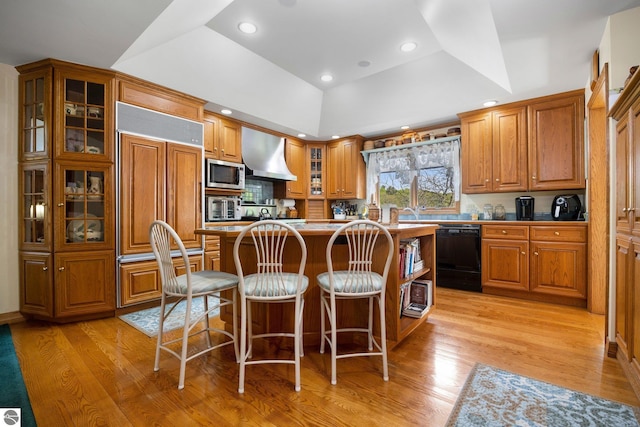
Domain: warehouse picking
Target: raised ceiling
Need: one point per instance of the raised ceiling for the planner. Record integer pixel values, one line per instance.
(468, 51)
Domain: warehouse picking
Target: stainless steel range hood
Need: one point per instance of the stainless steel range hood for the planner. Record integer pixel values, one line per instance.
(263, 154)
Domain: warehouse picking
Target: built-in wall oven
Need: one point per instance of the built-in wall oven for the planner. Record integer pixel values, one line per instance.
(458, 262)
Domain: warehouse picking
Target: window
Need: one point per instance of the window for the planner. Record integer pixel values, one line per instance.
(426, 176)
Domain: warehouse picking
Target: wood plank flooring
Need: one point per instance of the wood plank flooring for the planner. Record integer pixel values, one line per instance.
(101, 372)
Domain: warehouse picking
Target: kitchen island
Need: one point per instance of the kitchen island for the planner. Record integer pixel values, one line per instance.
(316, 236)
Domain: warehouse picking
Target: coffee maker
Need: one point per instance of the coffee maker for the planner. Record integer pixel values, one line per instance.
(524, 208)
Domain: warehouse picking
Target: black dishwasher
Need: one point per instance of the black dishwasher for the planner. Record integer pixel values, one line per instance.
(458, 257)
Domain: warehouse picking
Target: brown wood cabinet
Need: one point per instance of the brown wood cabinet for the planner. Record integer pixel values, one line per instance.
(316, 161)
(67, 233)
(295, 156)
(494, 151)
(556, 142)
(346, 169)
(222, 138)
(159, 180)
(626, 111)
(212, 253)
(505, 258)
(532, 145)
(545, 263)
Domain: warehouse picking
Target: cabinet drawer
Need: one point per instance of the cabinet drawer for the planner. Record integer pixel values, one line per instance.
(559, 233)
(512, 232)
(212, 243)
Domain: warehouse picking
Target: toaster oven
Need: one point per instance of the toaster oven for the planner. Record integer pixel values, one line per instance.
(222, 208)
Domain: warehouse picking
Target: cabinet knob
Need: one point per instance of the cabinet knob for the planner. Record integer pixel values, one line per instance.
(45, 268)
(523, 253)
(631, 209)
(222, 151)
(60, 205)
(533, 177)
(486, 180)
(504, 231)
(557, 233)
(61, 269)
(535, 253)
(497, 179)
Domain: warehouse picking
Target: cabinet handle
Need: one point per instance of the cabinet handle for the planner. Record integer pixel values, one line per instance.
(61, 269)
(557, 233)
(60, 205)
(45, 268)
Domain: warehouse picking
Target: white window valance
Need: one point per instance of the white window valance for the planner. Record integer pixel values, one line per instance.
(413, 158)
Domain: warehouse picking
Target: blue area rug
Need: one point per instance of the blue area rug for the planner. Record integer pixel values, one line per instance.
(15, 407)
(493, 397)
(147, 321)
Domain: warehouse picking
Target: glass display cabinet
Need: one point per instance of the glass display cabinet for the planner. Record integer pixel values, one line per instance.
(316, 170)
(67, 237)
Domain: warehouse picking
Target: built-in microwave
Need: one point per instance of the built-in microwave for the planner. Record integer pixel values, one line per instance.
(219, 208)
(221, 174)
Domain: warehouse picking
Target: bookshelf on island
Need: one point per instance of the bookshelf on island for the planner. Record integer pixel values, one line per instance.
(421, 238)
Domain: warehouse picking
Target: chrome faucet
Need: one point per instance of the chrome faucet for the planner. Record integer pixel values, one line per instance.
(413, 211)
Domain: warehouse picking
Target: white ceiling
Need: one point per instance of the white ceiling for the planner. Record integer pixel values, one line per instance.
(468, 51)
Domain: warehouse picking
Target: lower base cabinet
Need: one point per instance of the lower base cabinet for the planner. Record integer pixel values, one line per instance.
(140, 281)
(544, 263)
(67, 286)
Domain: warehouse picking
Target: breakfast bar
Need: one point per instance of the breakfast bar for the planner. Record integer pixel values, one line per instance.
(316, 236)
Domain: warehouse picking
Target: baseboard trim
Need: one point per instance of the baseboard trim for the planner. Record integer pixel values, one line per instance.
(629, 373)
(12, 317)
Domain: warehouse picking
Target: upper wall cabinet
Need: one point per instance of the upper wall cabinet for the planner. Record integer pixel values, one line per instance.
(494, 151)
(295, 155)
(556, 142)
(531, 145)
(346, 177)
(222, 138)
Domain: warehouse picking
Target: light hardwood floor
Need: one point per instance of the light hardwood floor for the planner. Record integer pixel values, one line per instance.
(101, 372)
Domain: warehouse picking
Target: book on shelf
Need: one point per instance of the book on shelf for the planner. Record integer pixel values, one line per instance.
(416, 297)
(415, 310)
(409, 257)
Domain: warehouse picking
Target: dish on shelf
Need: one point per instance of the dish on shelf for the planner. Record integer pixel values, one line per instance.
(76, 228)
(93, 150)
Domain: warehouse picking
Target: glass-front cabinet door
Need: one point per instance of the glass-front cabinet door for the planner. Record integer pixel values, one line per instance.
(84, 114)
(35, 232)
(83, 216)
(35, 104)
(316, 170)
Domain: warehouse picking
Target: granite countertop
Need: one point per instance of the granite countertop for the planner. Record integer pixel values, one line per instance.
(320, 228)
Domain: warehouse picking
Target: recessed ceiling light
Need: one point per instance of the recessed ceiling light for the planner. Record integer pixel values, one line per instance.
(490, 103)
(247, 27)
(225, 111)
(302, 135)
(326, 77)
(335, 137)
(405, 127)
(408, 46)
